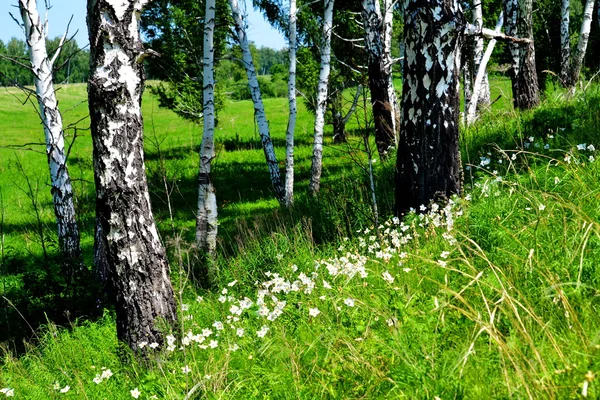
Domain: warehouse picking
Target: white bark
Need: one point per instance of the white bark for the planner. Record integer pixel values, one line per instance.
(317, 159)
(565, 43)
(259, 109)
(289, 139)
(584, 36)
(388, 31)
(206, 219)
(62, 191)
(480, 79)
(484, 95)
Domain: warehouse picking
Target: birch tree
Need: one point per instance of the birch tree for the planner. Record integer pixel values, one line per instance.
(325, 69)
(428, 160)
(484, 93)
(565, 43)
(479, 87)
(519, 23)
(136, 258)
(259, 108)
(388, 32)
(377, 36)
(584, 36)
(206, 219)
(62, 191)
(289, 138)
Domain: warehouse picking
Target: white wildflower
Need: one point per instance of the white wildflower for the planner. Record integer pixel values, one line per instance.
(218, 325)
(153, 345)
(186, 369)
(106, 373)
(262, 332)
(349, 302)
(387, 277)
(185, 307)
(581, 146)
(135, 393)
(213, 344)
(240, 332)
(313, 312)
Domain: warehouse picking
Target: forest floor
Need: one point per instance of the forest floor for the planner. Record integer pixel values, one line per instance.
(493, 296)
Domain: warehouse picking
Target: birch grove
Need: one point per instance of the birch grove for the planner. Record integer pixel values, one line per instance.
(61, 188)
(136, 258)
(289, 138)
(206, 218)
(259, 108)
(325, 69)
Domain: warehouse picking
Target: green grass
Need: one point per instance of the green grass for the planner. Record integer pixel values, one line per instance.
(494, 296)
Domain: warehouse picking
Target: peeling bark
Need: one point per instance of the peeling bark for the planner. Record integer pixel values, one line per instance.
(259, 108)
(206, 218)
(317, 158)
(62, 190)
(379, 77)
(519, 23)
(428, 159)
(135, 255)
(291, 127)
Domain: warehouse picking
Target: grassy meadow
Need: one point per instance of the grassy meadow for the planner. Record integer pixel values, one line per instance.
(495, 295)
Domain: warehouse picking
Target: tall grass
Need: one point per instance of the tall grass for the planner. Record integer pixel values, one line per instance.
(494, 295)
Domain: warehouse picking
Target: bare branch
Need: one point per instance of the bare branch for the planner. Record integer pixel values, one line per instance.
(61, 44)
(472, 30)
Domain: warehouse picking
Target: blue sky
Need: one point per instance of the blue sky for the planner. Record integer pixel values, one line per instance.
(260, 32)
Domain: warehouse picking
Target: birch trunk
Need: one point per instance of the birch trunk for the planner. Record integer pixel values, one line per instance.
(584, 36)
(379, 77)
(565, 44)
(259, 108)
(135, 255)
(519, 23)
(428, 163)
(206, 219)
(484, 95)
(61, 189)
(478, 86)
(317, 158)
(388, 31)
(291, 128)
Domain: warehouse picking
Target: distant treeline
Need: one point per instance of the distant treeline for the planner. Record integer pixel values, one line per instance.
(71, 66)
